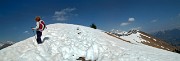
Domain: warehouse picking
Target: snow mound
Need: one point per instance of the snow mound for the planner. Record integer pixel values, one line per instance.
(68, 42)
(134, 38)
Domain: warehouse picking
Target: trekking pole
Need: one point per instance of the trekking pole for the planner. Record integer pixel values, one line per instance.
(34, 34)
(35, 44)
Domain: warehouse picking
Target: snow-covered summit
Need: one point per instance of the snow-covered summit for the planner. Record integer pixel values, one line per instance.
(68, 42)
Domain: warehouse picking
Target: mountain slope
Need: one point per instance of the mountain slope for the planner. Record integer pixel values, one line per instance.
(139, 37)
(156, 42)
(68, 42)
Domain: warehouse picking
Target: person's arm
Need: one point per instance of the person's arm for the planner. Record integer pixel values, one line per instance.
(37, 26)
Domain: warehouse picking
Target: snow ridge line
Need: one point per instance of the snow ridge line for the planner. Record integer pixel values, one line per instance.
(118, 37)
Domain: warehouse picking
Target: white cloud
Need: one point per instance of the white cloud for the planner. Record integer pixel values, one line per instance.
(26, 32)
(131, 19)
(124, 24)
(136, 28)
(64, 14)
(154, 21)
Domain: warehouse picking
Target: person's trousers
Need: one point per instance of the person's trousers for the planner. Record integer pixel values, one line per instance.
(39, 34)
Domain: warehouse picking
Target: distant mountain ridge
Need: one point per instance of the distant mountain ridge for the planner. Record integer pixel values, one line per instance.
(6, 44)
(171, 36)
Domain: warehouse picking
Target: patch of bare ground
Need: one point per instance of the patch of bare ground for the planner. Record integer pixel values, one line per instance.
(155, 42)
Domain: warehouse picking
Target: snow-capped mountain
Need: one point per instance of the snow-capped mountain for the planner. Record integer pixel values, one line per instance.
(68, 42)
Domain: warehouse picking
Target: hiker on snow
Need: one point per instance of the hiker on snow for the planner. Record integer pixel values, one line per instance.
(40, 25)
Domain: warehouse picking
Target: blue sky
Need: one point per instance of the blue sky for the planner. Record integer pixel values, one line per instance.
(17, 16)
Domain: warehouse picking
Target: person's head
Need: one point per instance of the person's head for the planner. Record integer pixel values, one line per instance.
(37, 18)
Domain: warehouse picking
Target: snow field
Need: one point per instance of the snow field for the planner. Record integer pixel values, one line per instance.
(67, 42)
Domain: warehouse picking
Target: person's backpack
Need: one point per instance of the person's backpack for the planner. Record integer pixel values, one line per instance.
(42, 25)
